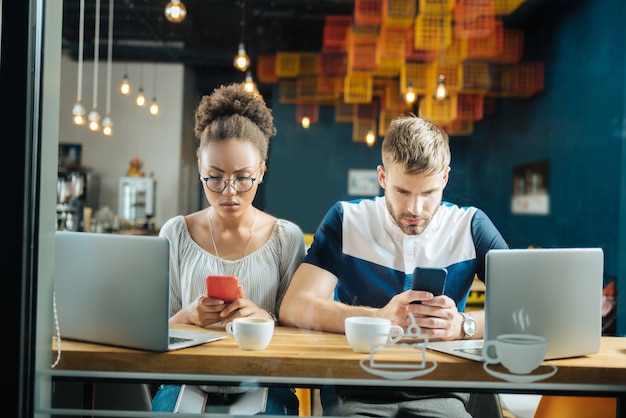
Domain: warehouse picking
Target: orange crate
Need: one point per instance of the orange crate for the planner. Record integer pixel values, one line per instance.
(436, 6)
(333, 63)
(266, 69)
(432, 31)
(441, 112)
(470, 107)
(516, 80)
(362, 57)
(344, 112)
(399, 13)
(287, 64)
(358, 88)
(368, 12)
(311, 110)
(474, 18)
(512, 46)
(366, 111)
(475, 77)
(330, 84)
(459, 128)
(391, 46)
(335, 32)
(488, 47)
(456, 52)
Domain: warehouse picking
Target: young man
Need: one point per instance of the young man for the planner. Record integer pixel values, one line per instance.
(364, 253)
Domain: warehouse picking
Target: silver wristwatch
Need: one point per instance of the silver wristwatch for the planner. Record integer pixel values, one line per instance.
(469, 325)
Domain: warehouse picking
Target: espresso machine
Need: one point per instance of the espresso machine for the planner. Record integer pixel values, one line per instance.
(74, 187)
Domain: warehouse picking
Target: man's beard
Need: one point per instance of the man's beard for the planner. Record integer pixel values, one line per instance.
(408, 229)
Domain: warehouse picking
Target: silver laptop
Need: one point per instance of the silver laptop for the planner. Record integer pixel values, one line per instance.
(556, 293)
(114, 289)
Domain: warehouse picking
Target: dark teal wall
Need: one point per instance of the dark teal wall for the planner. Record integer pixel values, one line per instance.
(577, 123)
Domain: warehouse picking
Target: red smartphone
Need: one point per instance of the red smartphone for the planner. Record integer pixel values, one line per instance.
(222, 287)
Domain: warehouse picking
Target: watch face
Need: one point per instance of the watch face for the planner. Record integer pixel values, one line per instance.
(469, 326)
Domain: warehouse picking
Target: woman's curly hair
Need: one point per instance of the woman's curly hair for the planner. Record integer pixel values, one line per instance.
(233, 112)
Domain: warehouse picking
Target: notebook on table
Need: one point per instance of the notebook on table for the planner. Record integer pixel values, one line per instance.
(114, 289)
(555, 293)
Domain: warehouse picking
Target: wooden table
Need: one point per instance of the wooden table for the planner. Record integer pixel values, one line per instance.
(312, 358)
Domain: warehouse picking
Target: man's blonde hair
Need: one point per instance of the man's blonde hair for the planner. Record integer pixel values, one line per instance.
(418, 144)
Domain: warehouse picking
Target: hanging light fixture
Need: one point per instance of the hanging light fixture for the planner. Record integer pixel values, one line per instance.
(107, 122)
(94, 117)
(249, 84)
(141, 98)
(154, 106)
(242, 60)
(125, 85)
(78, 111)
(306, 122)
(175, 11)
(410, 96)
(370, 138)
(441, 92)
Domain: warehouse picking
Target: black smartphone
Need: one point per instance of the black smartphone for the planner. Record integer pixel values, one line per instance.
(429, 279)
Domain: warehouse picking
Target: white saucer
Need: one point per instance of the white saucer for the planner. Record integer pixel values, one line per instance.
(397, 374)
(520, 378)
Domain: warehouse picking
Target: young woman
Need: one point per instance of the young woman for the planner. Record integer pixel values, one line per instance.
(231, 236)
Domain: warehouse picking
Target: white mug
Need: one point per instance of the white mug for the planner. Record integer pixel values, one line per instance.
(251, 333)
(362, 332)
(519, 353)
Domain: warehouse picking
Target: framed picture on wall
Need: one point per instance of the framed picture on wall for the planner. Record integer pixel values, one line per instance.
(70, 156)
(363, 183)
(531, 192)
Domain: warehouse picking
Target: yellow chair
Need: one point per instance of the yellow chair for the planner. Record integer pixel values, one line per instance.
(576, 407)
(304, 397)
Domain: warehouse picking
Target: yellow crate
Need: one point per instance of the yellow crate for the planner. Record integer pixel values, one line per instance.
(505, 7)
(287, 91)
(309, 63)
(441, 112)
(436, 6)
(358, 88)
(421, 76)
(399, 13)
(361, 127)
(287, 64)
(432, 31)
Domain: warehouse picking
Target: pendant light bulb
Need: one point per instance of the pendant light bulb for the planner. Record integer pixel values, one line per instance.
(249, 84)
(242, 60)
(175, 11)
(306, 122)
(141, 99)
(370, 138)
(125, 86)
(107, 126)
(441, 92)
(410, 95)
(78, 113)
(154, 107)
(94, 120)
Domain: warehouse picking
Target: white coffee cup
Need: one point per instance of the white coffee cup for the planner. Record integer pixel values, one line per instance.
(251, 333)
(519, 353)
(362, 332)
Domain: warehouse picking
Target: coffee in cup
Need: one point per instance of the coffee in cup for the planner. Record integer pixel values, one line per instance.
(251, 333)
(363, 332)
(519, 353)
